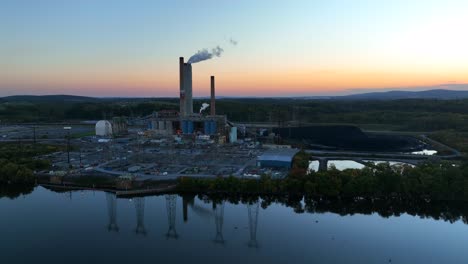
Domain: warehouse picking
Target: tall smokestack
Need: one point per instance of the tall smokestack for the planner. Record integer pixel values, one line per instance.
(188, 88)
(213, 100)
(182, 90)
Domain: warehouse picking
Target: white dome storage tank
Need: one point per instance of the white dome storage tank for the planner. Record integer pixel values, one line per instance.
(103, 128)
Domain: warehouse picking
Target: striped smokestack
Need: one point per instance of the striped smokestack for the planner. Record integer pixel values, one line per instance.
(213, 100)
(182, 90)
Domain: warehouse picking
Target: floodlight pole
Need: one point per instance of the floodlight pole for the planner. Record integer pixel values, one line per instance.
(68, 144)
(68, 147)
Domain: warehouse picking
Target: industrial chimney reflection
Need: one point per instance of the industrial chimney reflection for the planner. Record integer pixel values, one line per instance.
(218, 211)
(187, 200)
(171, 215)
(140, 214)
(253, 220)
(112, 212)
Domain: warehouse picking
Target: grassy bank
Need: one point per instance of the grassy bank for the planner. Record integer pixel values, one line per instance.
(17, 162)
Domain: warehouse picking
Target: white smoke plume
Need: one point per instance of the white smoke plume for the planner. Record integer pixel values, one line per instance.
(233, 41)
(203, 107)
(204, 54)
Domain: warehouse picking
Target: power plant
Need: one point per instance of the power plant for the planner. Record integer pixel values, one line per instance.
(213, 101)
(186, 100)
(177, 142)
(186, 121)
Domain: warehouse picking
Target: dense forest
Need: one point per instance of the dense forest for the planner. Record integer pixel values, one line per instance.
(446, 120)
(411, 114)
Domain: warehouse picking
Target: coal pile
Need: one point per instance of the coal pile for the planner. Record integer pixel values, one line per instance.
(343, 137)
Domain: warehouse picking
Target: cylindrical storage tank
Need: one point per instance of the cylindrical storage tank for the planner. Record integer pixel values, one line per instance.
(103, 128)
(161, 125)
(233, 135)
(190, 127)
(213, 127)
(207, 128)
(184, 127)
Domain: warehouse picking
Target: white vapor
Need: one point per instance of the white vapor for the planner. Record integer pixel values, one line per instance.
(204, 54)
(233, 42)
(203, 107)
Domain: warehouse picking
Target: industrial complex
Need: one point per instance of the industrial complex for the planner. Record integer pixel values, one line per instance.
(169, 144)
(165, 145)
(186, 122)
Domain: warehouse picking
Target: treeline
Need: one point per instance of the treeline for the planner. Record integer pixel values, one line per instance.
(414, 114)
(386, 207)
(13, 191)
(17, 163)
(92, 110)
(435, 181)
(453, 138)
(410, 114)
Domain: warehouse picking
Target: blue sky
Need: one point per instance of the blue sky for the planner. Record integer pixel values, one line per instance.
(297, 47)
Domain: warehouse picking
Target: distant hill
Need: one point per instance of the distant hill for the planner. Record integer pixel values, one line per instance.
(47, 98)
(441, 94)
(396, 95)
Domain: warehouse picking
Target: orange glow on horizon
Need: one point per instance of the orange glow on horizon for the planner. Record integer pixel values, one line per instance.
(260, 83)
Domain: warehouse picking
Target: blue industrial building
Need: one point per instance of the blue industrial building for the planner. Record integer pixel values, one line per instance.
(277, 158)
(210, 127)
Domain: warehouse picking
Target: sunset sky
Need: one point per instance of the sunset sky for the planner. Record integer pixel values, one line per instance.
(284, 48)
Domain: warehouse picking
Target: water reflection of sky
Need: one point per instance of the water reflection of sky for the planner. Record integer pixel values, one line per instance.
(314, 165)
(350, 164)
(344, 164)
(48, 227)
(391, 163)
(425, 152)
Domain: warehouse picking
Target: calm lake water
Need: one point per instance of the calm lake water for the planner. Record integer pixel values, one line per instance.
(95, 227)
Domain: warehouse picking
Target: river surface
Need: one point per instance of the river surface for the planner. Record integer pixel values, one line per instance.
(96, 227)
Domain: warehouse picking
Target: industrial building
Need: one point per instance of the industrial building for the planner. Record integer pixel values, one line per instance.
(186, 122)
(117, 127)
(277, 158)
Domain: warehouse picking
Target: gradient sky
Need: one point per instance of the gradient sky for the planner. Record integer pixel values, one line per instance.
(131, 48)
